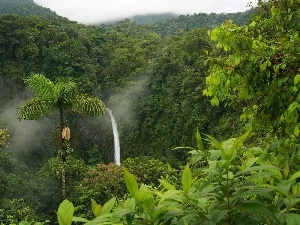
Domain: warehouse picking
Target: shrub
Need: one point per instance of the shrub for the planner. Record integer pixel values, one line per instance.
(16, 210)
(148, 170)
(100, 183)
(234, 185)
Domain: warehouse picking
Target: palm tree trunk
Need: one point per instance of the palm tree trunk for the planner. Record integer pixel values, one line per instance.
(63, 157)
(63, 178)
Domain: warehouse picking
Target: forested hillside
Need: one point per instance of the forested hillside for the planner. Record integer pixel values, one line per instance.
(185, 23)
(220, 75)
(28, 8)
(152, 18)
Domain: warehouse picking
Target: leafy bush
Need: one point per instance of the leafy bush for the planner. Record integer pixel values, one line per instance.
(224, 185)
(75, 168)
(100, 183)
(49, 183)
(148, 170)
(15, 211)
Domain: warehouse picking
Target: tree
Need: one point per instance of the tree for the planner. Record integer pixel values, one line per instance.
(257, 66)
(60, 96)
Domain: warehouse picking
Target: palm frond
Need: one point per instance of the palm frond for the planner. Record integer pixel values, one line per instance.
(41, 86)
(35, 108)
(87, 105)
(67, 86)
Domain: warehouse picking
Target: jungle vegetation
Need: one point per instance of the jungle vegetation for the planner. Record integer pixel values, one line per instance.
(207, 107)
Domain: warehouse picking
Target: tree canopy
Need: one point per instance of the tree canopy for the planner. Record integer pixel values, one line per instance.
(257, 66)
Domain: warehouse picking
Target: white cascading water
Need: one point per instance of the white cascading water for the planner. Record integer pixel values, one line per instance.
(117, 155)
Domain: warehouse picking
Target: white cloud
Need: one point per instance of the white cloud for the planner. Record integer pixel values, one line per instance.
(89, 11)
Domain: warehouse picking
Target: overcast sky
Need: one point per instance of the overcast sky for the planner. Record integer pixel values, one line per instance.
(89, 11)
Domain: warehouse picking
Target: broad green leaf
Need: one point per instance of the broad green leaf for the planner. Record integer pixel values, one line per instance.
(253, 24)
(167, 185)
(255, 208)
(249, 162)
(237, 60)
(278, 190)
(146, 200)
(131, 183)
(171, 214)
(186, 220)
(207, 92)
(79, 219)
(186, 179)
(296, 131)
(96, 208)
(292, 219)
(214, 101)
(24, 223)
(199, 141)
(107, 207)
(218, 215)
(168, 194)
(122, 212)
(217, 145)
(65, 213)
(264, 192)
(238, 143)
(296, 79)
(294, 176)
(102, 219)
(129, 218)
(263, 66)
(130, 203)
(286, 171)
(257, 168)
(244, 93)
(144, 194)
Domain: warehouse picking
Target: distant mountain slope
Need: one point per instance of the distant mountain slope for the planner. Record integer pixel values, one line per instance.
(27, 8)
(170, 24)
(200, 20)
(23, 8)
(153, 18)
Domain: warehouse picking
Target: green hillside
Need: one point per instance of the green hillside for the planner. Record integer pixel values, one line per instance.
(152, 18)
(27, 8)
(207, 109)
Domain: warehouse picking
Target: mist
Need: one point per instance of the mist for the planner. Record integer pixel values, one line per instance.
(96, 11)
(25, 135)
(123, 103)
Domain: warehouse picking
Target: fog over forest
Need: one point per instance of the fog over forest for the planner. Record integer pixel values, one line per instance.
(95, 11)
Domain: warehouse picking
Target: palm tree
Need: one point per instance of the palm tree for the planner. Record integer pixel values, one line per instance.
(59, 96)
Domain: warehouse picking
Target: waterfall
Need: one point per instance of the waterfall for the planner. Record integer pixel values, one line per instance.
(117, 157)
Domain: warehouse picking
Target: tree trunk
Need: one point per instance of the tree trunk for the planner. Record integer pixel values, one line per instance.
(63, 156)
(63, 178)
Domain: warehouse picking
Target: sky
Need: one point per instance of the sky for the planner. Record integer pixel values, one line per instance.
(91, 11)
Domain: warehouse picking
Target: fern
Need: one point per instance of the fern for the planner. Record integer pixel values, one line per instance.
(88, 105)
(35, 108)
(41, 86)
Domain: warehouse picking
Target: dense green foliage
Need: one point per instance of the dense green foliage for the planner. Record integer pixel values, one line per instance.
(151, 18)
(185, 23)
(256, 67)
(259, 61)
(227, 184)
(153, 77)
(23, 7)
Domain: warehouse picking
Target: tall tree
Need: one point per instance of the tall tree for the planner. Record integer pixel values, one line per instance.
(59, 96)
(259, 66)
